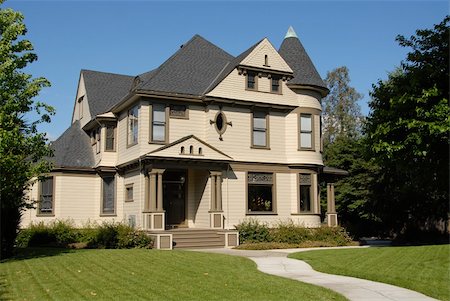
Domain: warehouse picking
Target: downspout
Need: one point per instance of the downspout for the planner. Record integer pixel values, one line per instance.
(228, 202)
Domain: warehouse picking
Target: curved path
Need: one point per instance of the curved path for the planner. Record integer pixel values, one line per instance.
(275, 262)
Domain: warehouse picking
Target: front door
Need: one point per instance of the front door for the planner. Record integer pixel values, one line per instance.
(174, 197)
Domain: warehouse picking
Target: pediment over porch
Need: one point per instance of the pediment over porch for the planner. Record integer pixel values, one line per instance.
(190, 147)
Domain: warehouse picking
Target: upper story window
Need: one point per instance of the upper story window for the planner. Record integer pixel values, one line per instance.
(80, 107)
(251, 81)
(46, 196)
(306, 132)
(110, 141)
(275, 85)
(98, 135)
(133, 125)
(178, 111)
(260, 131)
(266, 61)
(159, 123)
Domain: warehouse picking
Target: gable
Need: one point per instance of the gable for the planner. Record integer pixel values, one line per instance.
(81, 110)
(182, 149)
(256, 58)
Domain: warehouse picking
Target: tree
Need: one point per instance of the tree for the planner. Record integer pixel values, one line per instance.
(22, 147)
(341, 112)
(407, 132)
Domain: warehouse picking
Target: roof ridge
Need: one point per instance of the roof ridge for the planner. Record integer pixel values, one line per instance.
(111, 73)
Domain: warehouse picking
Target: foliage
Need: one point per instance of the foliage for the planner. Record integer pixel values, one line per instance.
(139, 274)
(407, 134)
(354, 191)
(341, 113)
(63, 234)
(423, 269)
(289, 234)
(252, 230)
(21, 145)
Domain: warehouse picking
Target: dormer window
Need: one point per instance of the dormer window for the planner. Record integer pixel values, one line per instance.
(251, 81)
(275, 84)
(266, 61)
(80, 107)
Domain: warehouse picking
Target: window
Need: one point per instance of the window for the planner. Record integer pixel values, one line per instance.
(266, 61)
(110, 142)
(306, 132)
(275, 87)
(46, 196)
(98, 136)
(178, 111)
(129, 193)
(305, 193)
(251, 81)
(80, 107)
(109, 195)
(133, 125)
(260, 192)
(159, 123)
(260, 131)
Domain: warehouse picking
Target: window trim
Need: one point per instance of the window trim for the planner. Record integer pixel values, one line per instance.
(300, 147)
(272, 78)
(166, 129)
(252, 129)
(311, 193)
(115, 137)
(186, 115)
(38, 209)
(274, 195)
(255, 74)
(137, 106)
(102, 213)
(127, 186)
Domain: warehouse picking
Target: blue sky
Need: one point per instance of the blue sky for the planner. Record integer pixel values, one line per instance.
(132, 37)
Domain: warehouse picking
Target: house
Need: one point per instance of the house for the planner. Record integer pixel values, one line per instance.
(200, 143)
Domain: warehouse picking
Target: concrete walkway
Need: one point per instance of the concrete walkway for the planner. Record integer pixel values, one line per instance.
(275, 262)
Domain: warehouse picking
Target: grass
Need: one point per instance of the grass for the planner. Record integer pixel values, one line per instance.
(138, 274)
(425, 269)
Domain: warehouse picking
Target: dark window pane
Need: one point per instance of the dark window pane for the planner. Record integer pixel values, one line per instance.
(260, 198)
(305, 198)
(250, 80)
(178, 110)
(110, 138)
(275, 84)
(46, 197)
(219, 122)
(108, 194)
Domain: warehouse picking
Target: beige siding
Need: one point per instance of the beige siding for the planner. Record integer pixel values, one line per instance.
(256, 58)
(234, 198)
(127, 153)
(135, 207)
(81, 91)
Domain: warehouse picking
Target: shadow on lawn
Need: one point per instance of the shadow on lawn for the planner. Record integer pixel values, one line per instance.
(29, 253)
(3, 288)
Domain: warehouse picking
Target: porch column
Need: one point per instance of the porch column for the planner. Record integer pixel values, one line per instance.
(159, 200)
(216, 213)
(219, 192)
(331, 206)
(154, 216)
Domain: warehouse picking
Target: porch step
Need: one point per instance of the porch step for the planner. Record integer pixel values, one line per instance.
(193, 238)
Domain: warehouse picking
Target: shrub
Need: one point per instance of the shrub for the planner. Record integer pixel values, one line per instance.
(289, 235)
(63, 234)
(252, 230)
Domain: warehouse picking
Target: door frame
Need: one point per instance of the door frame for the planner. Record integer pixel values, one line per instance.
(184, 223)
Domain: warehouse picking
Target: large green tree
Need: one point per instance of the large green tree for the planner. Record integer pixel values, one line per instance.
(343, 149)
(407, 133)
(22, 147)
(341, 113)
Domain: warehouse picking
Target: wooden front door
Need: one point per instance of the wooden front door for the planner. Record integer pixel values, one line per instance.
(174, 197)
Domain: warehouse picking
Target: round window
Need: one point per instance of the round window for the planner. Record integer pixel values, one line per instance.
(221, 123)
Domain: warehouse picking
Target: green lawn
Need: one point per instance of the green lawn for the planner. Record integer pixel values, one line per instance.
(139, 274)
(424, 269)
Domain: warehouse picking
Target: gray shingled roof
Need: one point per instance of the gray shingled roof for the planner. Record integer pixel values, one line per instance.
(191, 70)
(230, 67)
(104, 90)
(73, 148)
(293, 52)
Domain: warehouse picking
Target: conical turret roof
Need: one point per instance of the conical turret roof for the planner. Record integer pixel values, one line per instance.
(293, 52)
